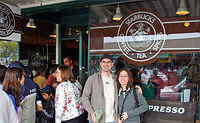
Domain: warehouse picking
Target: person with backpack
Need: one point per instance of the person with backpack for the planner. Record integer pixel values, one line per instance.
(130, 103)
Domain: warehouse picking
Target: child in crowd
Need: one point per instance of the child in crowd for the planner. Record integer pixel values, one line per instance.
(39, 78)
(46, 110)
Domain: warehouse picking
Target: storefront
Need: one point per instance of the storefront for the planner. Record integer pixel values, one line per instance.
(150, 36)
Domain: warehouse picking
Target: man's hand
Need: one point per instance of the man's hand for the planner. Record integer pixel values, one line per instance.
(94, 119)
(119, 121)
(139, 89)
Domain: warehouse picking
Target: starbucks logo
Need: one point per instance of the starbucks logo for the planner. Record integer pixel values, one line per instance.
(141, 36)
(7, 21)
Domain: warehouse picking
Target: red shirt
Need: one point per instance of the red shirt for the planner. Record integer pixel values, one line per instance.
(51, 80)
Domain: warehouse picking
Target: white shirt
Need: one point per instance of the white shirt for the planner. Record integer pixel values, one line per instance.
(108, 84)
(7, 110)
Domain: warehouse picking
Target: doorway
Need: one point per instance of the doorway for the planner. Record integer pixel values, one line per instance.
(74, 44)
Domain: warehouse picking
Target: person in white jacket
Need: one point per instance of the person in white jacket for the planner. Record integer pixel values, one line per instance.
(8, 113)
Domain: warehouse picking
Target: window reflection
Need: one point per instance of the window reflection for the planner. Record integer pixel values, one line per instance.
(169, 78)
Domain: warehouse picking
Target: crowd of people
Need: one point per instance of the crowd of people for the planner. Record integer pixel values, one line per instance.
(56, 96)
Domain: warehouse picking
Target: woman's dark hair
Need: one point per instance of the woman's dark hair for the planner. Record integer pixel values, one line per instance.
(66, 73)
(136, 76)
(2, 73)
(53, 67)
(11, 84)
(130, 80)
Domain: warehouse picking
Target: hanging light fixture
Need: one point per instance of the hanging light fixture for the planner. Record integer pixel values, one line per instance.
(54, 33)
(182, 10)
(118, 15)
(31, 24)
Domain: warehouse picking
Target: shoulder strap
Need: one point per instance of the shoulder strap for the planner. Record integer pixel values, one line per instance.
(122, 110)
(136, 97)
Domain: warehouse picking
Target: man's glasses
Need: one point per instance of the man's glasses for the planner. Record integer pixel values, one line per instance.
(106, 62)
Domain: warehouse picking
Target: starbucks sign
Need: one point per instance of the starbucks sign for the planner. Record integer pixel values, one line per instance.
(7, 21)
(141, 36)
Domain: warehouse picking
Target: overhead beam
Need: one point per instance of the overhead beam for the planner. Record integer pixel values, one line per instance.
(124, 9)
(75, 20)
(132, 5)
(162, 7)
(192, 4)
(172, 8)
(159, 9)
(197, 7)
(147, 6)
(103, 18)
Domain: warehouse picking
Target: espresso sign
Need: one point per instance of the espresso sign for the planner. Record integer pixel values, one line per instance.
(8, 16)
(141, 36)
(169, 111)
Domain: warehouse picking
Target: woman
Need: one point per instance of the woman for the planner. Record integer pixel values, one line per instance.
(129, 110)
(13, 80)
(68, 103)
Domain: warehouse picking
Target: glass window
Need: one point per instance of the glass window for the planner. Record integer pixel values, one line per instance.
(8, 52)
(160, 48)
(171, 79)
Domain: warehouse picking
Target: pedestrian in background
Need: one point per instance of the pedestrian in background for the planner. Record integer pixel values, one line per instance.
(46, 107)
(68, 104)
(68, 61)
(29, 90)
(13, 80)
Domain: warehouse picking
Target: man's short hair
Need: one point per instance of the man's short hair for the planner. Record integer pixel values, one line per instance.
(69, 58)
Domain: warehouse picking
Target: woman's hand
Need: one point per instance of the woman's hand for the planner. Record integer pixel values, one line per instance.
(139, 89)
(124, 116)
(94, 119)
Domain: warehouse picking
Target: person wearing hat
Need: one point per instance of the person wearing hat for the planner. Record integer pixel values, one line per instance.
(100, 94)
(46, 108)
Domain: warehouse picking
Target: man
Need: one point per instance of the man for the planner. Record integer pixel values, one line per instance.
(100, 93)
(8, 113)
(69, 62)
